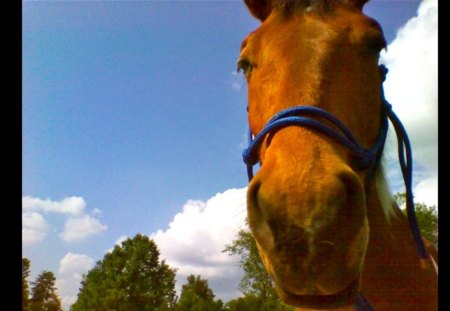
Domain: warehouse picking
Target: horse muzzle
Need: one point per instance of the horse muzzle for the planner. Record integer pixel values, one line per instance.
(311, 234)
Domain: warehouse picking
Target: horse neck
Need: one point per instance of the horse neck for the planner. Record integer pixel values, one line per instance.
(394, 278)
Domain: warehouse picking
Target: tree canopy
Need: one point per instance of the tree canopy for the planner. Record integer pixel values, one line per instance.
(197, 296)
(131, 277)
(25, 289)
(44, 294)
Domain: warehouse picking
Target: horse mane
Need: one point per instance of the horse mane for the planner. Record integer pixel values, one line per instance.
(387, 201)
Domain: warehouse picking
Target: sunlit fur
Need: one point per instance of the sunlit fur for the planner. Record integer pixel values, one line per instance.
(322, 232)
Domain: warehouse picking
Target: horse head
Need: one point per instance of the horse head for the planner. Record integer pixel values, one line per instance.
(307, 203)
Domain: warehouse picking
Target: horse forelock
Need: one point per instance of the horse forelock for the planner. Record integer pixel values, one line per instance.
(288, 7)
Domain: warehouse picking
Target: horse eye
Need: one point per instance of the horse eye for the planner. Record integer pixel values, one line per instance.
(244, 65)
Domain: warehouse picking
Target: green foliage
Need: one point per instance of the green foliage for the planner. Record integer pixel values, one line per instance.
(44, 295)
(427, 217)
(255, 280)
(131, 277)
(249, 302)
(25, 289)
(197, 296)
(256, 284)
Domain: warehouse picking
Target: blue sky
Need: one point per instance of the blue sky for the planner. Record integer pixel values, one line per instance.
(133, 109)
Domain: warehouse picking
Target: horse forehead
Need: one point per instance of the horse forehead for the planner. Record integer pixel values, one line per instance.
(298, 58)
(338, 24)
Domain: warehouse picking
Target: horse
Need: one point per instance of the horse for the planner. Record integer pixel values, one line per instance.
(326, 226)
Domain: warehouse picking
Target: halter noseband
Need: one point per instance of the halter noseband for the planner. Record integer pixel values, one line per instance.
(364, 159)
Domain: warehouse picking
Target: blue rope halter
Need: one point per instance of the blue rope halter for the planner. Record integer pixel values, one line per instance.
(364, 159)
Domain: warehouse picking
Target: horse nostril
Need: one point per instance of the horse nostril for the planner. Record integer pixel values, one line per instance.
(354, 197)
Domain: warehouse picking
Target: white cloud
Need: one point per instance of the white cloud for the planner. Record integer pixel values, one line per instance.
(96, 212)
(194, 241)
(425, 191)
(411, 88)
(237, 81)
(78, 224)
(75, 264)
(34, 228)
(79, 228)
(70, 205)
(236, 86)
(71, 268)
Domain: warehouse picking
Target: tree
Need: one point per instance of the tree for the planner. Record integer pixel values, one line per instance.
(25, 289)
(131, 277)
(256, 284)
(197, 296)
(44, 295)
(427, 217)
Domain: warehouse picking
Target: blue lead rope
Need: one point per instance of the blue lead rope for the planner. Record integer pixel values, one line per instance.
(362, 304)
(365, 159)
(404, 150)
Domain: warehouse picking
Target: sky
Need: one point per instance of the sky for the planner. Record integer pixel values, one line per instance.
(134, 121)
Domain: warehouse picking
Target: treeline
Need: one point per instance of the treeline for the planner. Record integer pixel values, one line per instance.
(133, 278)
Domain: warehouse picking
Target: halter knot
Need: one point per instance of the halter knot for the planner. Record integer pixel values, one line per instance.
(249, 157)
(364, 160)
(383, 72)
